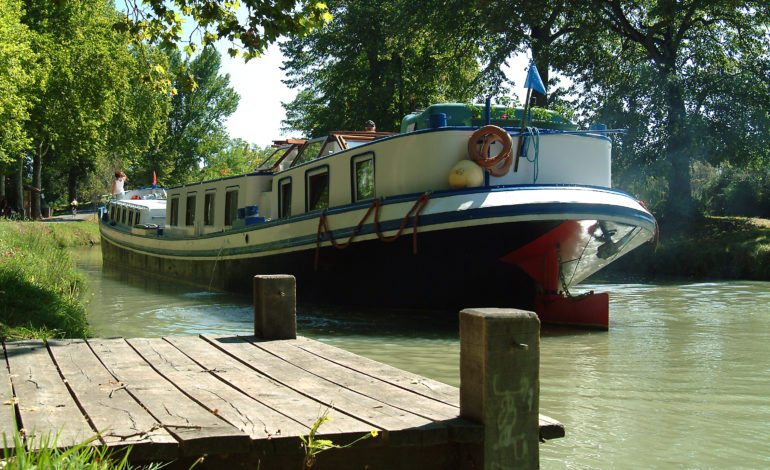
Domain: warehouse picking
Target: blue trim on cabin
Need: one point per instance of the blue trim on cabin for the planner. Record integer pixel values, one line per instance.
(307, 183)
(410, 197)
(589, 211)
(353, 182)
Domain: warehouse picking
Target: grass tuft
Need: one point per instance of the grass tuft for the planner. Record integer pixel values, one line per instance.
(84, 456)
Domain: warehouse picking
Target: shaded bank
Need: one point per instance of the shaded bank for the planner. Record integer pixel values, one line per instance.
(40, 288)
(714, 248)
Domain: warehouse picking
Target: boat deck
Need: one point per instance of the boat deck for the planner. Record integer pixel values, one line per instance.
(185, 397)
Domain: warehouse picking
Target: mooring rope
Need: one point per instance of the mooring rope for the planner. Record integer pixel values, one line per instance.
(213, 270)
(417, 207)
(534, 136)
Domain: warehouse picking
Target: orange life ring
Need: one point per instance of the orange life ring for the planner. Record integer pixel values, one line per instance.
(487, 136)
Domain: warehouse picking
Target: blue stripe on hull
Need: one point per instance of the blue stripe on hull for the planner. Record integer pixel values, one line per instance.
(576, 210)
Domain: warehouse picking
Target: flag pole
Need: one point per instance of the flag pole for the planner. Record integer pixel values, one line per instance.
(521, 132)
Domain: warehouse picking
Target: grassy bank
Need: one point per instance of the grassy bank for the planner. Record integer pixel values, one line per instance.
(40, 289)
(715, 248)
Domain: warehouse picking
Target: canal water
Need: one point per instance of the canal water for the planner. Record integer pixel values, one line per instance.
(681, 380)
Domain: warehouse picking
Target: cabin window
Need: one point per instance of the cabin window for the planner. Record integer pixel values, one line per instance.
(123, 215)
(112, 213)
(174, 219)
(189, 217)
(318, 189)
(208, 209)
(137, 217)
(231, 206)
(284, 202)
(310, 151)
(276, 156)
(130, 218)
(363, 174)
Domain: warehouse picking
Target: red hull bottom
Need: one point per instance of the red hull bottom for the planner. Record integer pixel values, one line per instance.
(591, 310)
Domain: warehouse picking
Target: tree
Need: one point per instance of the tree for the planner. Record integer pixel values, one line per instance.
(236, 157)
(263, 23)
(16, 76)
(195, 126)
(16, 63)
(84, 106)
(681, 56)
(377, 60)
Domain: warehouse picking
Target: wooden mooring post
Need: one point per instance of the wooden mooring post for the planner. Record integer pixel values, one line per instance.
(500, 385)
(275, 306)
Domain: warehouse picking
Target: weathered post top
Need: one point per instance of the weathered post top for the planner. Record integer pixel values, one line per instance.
(275, 306)
(500, 384)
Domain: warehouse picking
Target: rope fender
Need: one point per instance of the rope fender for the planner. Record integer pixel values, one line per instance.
(488, 135)
(417, 207)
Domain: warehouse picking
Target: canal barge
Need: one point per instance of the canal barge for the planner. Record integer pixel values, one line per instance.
(456, 210)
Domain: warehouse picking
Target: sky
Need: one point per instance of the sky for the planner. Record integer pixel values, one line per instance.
(258, 82)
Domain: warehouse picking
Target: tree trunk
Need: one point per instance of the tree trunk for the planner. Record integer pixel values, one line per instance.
(72, 184)
(37, 182)
(2, 184)
(679, 204)
(20, 186)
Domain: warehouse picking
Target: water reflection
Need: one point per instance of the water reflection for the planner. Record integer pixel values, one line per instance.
(680, 380)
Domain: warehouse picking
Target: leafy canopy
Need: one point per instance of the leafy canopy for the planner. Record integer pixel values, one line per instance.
(249, 25)
(377, 60)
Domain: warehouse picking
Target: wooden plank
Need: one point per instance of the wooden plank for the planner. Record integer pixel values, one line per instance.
(376, 413)
(397, 377)
(361, 382)
(268, 392)
(115, 414)
(198, 430)
(47, 410)
(240, 410)
(549, 427)
(7, 409)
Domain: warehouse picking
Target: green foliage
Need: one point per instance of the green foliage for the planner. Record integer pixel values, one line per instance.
(685, 78)
(41, 289)
(236, 157)
(16, 61)
(377, 60)
(265, 22)
(92, 105)
(84, 456)
(313, 446)
(713, 248)
(732, 191)
(195, 130)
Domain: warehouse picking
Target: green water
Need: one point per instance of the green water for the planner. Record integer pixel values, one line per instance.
(681, 380)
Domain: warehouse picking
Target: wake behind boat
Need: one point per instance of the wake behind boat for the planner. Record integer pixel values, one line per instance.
(448, 213)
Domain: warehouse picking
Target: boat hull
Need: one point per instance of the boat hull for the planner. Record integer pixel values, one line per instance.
(461, 258)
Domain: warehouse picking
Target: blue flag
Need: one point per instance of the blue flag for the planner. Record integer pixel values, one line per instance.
(533, 79)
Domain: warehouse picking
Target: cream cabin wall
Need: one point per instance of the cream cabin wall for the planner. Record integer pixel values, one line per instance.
(250, 190)
(421, 162)
(563, 159)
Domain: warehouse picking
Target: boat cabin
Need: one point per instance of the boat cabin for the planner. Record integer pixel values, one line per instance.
(346, 168)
